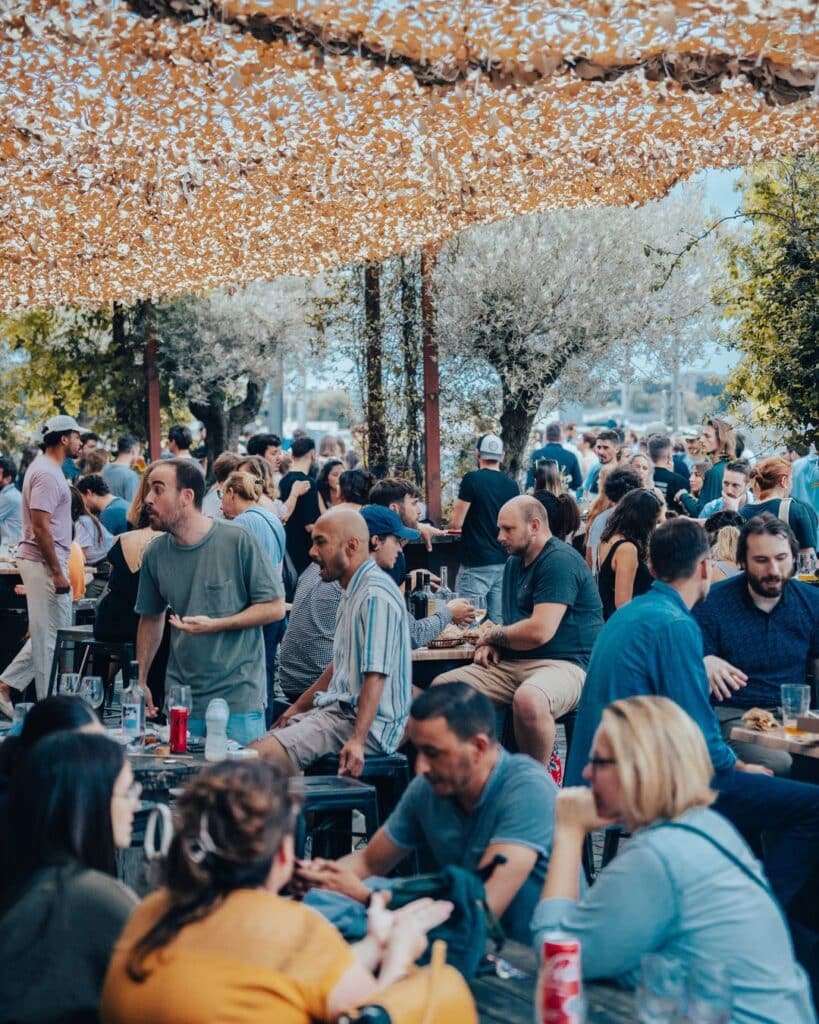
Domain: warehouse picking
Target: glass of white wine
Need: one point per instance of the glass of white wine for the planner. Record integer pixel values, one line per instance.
(479, 604)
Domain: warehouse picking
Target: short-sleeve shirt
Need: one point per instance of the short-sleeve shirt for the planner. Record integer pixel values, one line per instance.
(222, 575)
(801, 518)
(114, 517)
(486, 490)
(372, 635)
(122, 480)
(304, 514)
(307, 646)
(95, 540)
(11, 521)
(558, 575)
(669, 485)
(254, 957)
(268, 531)
(45, 489)
(516, 806)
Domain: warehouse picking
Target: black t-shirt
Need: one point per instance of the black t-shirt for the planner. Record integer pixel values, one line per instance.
(559, 575)
(486, 490)
(304, 514)
(669, 485)
(801, 518)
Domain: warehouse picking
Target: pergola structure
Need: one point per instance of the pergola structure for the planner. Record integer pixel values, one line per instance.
(175, 146)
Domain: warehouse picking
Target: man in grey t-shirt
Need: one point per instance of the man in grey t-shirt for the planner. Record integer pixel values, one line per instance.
(221, 589)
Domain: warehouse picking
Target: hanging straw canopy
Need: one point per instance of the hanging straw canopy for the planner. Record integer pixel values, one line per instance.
(174, 147)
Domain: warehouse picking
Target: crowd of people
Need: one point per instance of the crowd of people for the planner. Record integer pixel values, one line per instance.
(642, 591)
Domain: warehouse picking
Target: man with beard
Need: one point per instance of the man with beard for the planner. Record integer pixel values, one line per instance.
(221, 588)
(470, 801)
(552, 614)
(360, 703)
(760, 630)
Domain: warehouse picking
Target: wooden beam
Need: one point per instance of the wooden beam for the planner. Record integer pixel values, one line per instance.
(432, 389)
(377, 445)
(152, 382)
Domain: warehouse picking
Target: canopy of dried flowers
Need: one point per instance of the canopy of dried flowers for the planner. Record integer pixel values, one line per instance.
(174, 147)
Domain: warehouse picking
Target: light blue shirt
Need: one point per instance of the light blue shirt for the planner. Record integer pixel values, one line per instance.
(372, 635)
(11, 515)
(268, 531)
(673, 893)
(806, 481)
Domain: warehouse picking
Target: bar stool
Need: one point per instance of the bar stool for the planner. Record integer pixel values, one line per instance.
(68, 639)
(327, 799)
(389, 773)
(81, 638)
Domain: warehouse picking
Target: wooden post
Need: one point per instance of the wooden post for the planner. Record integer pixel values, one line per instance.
(152, 381)
(377, 446)
(432, 389)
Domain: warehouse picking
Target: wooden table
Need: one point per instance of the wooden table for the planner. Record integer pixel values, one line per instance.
(803, 744)
(512, 1000)
(427, 663)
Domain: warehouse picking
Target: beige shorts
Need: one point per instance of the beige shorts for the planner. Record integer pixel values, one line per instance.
(560, 682)
(320, 731)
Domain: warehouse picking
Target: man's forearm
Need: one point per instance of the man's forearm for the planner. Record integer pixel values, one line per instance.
(45, 542)
(253, 615)
(370, 697)
(519, 636)
(149, 637)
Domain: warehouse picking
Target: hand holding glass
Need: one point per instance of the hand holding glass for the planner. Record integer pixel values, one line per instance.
(479, 604)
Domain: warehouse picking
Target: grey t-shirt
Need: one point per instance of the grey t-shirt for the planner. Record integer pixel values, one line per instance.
(45, 489)
(122, 480)
(517, 806)
(223, 574)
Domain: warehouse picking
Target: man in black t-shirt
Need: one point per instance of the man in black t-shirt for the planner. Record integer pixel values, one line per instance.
(481, 495)
(307, 508)
(667, 482)
(552, 613)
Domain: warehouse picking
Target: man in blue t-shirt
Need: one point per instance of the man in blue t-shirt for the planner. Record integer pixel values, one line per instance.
(470, 801)
(553, 449)
(99, 501)
(552, 613)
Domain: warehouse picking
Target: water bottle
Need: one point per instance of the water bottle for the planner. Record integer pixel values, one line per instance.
(216, 720)
(133, 707)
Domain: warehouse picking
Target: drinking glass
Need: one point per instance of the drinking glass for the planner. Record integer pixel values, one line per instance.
(795, 702)
(179, 697)
(709, 994)
(92, 690)
(479, 604)
(70, 683)
(660, 996)
(20, 712)
(806, 565)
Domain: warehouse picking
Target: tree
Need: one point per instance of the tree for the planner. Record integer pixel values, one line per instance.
(773, 299)
(563, 299)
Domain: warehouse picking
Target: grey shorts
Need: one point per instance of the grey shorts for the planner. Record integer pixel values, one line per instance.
(320, 731)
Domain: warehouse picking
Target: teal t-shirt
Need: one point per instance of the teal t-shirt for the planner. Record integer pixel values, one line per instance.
(223, 574)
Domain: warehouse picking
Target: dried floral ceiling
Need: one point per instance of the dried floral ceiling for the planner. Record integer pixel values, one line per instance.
(171, 146)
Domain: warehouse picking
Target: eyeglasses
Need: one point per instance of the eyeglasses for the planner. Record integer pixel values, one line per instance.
(133, 793)
(600, 762)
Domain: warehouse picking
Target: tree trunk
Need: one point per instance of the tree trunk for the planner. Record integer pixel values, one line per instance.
(377, 446)
(409, 351)
(519, 411)
(244, 412)
(214, 419)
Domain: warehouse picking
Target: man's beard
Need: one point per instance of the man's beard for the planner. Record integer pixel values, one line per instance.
(766, 586)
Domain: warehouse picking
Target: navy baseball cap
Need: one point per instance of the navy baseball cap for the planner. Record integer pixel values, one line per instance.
(382, 521)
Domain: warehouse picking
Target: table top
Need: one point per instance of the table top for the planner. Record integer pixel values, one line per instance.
(511, 1000)
(466, 652)
(804, 744)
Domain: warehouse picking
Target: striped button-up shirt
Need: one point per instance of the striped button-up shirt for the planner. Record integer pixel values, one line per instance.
(372, 635)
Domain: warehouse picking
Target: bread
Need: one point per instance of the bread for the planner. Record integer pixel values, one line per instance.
(759, 719)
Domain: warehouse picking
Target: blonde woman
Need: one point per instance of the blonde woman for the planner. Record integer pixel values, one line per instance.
(723, 536)
(686, 886)
(771, 481)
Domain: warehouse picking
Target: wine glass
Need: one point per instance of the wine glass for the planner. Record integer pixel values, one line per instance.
(479, 604)
(70, 683)
(709, 994)
(660, 996)
(92, 690)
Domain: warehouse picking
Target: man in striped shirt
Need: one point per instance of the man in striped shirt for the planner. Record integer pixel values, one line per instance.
(360, 703)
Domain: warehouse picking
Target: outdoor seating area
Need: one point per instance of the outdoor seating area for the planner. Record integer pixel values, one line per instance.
(409, 512)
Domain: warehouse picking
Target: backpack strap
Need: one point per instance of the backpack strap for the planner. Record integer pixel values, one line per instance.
(785, 511)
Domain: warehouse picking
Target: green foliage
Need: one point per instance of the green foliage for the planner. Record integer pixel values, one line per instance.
(773, 299)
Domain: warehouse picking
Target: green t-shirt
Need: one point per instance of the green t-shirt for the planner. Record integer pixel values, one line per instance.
(223, 574)
(558, 575)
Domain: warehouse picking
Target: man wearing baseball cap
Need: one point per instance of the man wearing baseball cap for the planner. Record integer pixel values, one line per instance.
(42, 555)
(481, 496)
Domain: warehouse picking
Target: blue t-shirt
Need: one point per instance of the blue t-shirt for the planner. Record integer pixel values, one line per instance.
(566, 460)
(651, 646)
(771, 648)
(115, 517)
(268, 531)
(517, 806)
(11, 515)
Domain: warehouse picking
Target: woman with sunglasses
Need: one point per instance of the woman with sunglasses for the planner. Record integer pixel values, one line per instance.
(685, 886)
(71, 806)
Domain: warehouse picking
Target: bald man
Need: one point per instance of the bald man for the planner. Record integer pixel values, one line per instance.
(360, 703)
(552, 614)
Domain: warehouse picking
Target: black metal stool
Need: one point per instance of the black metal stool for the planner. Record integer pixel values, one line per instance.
(67, 639)
(389, 773)
(81, 638)
(327, 800)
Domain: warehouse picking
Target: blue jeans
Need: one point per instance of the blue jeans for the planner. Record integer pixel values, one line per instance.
(272, 633)
(244, 728)
(483, 581)
(787, 812)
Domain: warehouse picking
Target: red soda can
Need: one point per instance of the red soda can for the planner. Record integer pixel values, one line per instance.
(560, 989)
(179, 730)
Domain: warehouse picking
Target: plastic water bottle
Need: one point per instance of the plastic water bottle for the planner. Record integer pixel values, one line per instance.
(133, 708)
(216, 720)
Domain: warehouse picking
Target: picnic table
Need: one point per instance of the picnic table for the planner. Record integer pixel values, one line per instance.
(802, 746)
(512, 1000)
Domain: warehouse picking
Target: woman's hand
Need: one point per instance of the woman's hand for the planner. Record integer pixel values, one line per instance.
(408, 937)
(576, 811)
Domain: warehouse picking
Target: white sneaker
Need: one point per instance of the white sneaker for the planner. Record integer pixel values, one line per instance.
(6, 707)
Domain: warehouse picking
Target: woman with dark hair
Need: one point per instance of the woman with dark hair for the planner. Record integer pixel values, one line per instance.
(562, 512)
(94, 540)
(548, 479)
(219, 935)
(71, 805)
(355, 486)
(624, 573)
(328, 485)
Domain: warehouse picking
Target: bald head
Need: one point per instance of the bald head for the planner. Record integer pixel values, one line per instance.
(523, 527)
(341, 544)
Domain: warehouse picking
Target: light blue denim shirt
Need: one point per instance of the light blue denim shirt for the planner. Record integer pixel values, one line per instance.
(673, 893)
